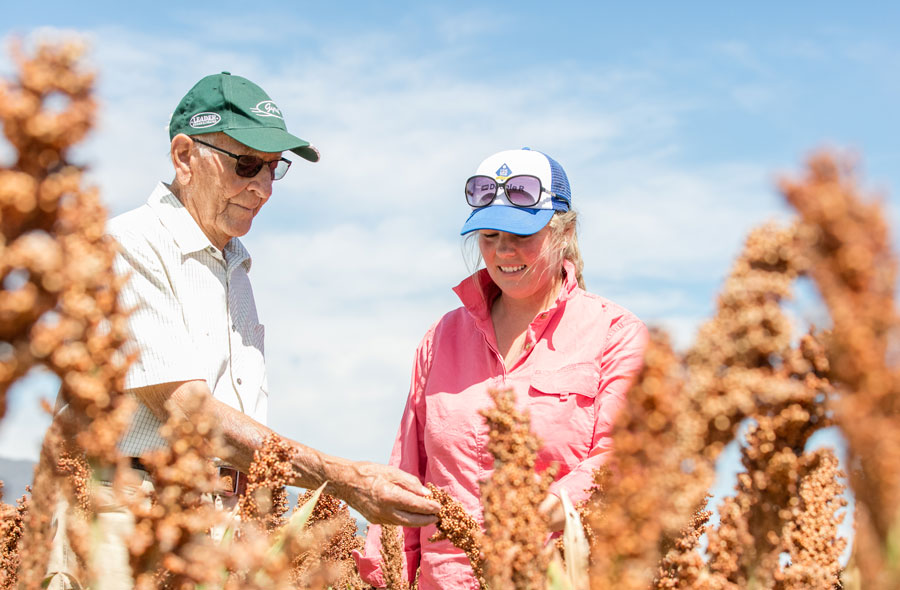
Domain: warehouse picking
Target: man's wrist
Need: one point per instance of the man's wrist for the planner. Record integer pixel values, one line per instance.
(341, 476)
(316, 468)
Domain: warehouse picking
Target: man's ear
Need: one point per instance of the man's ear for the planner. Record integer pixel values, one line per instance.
(180, 151)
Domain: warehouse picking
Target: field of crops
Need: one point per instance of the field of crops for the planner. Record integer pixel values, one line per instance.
(642, 525)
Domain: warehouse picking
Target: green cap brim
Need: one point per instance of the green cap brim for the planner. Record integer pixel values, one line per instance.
(269, 139)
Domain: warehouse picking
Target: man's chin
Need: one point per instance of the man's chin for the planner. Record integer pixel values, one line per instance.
(237, 230)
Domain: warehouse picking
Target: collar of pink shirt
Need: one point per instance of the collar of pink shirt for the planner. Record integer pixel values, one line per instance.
(477, 292)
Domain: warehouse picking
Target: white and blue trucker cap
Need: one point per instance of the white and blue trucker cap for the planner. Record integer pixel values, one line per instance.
(501, 215)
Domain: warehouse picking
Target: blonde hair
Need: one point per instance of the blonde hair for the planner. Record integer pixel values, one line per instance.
(564, 229)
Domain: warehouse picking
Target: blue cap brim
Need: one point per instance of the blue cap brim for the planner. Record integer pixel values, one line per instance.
(514, 220)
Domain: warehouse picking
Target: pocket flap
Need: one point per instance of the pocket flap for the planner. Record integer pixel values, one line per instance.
(580, 378)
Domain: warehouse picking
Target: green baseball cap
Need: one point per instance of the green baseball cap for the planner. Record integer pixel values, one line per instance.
(241, 110)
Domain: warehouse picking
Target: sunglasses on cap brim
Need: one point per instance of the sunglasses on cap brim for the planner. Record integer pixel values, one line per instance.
(522, 190)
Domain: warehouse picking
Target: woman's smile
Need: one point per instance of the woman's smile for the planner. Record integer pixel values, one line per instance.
(512, 269)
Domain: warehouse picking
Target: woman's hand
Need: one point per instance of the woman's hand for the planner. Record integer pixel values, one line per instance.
(552, 509)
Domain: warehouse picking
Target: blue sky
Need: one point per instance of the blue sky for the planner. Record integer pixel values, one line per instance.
(673, 122)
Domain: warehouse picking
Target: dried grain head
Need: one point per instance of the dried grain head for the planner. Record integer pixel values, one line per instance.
(265, 501)
(514, 529)
(811, 537)
(12, 527)
(393, 564)
(171, 528)
(58, 306)
(681, 413)
(460, 528)
(855, 269)
(654, 481)
(682, 566)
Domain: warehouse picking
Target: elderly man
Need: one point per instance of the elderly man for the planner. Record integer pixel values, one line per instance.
(195, 320)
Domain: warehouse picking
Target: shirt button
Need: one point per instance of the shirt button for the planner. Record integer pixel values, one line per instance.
(529, 346)
(239, 381)
(234, 327)
(543, 316)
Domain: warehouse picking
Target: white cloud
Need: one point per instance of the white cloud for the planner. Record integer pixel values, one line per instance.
(753, 97)
(807, 49)
(742, 54)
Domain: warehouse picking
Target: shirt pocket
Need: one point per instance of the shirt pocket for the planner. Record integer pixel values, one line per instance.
(252, 358)
(562, 413)
(582, 379)
(248, 370)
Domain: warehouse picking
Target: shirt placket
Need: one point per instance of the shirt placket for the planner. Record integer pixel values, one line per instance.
(234, 336)
(486, 327)
(535, 331)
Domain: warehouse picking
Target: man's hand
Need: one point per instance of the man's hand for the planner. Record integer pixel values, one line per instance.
(382, 494)
(386, 495)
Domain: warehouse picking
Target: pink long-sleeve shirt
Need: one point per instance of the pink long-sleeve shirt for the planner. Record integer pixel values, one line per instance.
(580, 357)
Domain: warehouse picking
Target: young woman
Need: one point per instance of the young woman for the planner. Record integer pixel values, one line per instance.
(526, 323)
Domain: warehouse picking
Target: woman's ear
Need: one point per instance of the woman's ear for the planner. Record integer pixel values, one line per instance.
(180, 151)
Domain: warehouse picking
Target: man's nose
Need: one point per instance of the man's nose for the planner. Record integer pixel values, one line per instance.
(262, 183)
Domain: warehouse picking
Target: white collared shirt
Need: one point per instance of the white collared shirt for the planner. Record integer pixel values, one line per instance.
(194, 316)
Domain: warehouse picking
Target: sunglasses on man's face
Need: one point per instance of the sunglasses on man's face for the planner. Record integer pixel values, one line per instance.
(248, 166)
(523, 190)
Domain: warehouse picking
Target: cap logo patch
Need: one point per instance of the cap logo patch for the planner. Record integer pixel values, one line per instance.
(267, 108)
(204, 120)
(503, 172)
